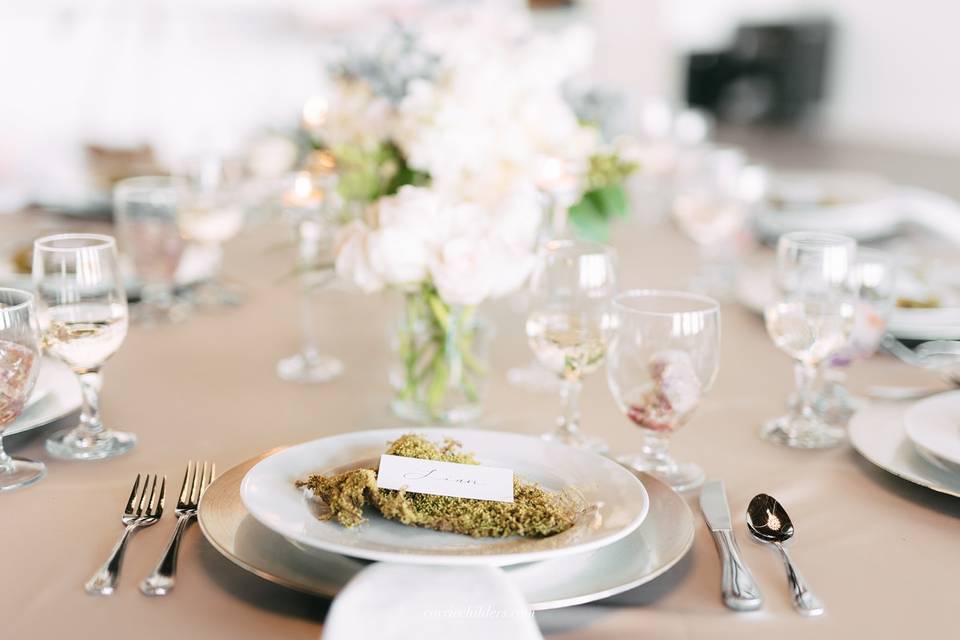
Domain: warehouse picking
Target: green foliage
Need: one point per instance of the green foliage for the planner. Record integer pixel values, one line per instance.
(367, 174)
(604, 199)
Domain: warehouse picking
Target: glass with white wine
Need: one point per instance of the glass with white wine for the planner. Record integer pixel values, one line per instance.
(570, 325)
(810, 319)
(82, 308)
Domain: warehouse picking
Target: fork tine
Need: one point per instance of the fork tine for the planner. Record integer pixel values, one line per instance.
(207, 477)
(195, 497)
(133, 494)
(143, 494)
(187, 487)
(144, 498)
(157, 508)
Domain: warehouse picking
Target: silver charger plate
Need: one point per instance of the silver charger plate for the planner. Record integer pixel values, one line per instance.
(877, 432)
(649, 551)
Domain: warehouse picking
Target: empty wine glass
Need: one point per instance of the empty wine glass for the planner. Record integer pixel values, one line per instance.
(146, 211)
(810, 319)
(710, 205)
(569, 325)
(311, 204)
(211, 212)
(82, 307)
(874, 281)
(19, 366)
(663, 361)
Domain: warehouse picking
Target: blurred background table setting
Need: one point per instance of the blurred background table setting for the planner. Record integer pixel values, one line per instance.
(560, 319)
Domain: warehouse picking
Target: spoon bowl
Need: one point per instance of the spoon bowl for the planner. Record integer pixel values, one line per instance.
(769, 522)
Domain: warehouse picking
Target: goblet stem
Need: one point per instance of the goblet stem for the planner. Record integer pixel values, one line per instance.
(90, 384)
(568, 425)
(807, 376)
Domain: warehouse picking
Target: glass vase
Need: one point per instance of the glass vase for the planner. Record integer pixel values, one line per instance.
(441, 355)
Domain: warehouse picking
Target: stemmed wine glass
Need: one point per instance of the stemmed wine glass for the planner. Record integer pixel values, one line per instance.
(569, 325)
(19, 367)
(710, 206)
(146, 210)
(557, 185)
(311, 204)
(810, 319)
(82, 307)
(874, 280)
(663, 361)
(210, 214)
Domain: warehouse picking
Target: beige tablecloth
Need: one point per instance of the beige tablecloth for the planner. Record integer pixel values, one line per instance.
(883, 554)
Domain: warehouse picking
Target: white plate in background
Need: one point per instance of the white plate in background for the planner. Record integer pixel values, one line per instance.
(933, 425)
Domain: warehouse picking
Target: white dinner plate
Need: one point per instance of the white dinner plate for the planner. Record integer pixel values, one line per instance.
(933, 425)
(59, 395)
(653, 548)
(861, 206)
(877, 432)
(614, 501)
(196, 265)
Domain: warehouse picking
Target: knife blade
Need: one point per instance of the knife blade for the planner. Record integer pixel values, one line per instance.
(739, 589)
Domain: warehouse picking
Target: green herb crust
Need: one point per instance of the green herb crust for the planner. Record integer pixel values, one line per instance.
(534, 513)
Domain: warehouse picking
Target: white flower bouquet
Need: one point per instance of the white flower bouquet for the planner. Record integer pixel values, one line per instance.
(450, 127)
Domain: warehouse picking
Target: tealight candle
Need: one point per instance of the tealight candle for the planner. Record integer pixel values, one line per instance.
(303, 192)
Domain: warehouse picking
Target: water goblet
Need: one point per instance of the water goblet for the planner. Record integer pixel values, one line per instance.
(146, 210)
(19, 366)
(211, 213)
(710, 205)
(311, 204)
(569, 325)
(811, 318)
(664, 359)
(874, 281)
(82, 308)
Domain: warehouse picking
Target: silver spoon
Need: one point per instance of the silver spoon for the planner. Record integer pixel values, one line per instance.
(768, 521)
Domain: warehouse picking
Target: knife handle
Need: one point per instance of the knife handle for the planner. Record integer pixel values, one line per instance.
(740, 590)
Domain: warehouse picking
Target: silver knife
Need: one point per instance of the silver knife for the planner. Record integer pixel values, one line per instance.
(740, 590)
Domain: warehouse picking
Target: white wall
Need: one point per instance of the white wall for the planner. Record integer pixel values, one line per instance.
(896, 64)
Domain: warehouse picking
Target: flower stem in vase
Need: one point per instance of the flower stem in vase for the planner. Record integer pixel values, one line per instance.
(441, 354)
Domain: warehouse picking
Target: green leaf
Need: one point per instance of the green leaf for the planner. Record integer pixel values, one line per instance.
(592, 215)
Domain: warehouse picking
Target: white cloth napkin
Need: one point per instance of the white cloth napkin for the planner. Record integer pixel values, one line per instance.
(404, 602)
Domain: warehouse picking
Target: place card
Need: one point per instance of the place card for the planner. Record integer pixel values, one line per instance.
(445, 478)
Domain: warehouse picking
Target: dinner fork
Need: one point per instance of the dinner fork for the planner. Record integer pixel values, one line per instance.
(195, 482)
(138, 513)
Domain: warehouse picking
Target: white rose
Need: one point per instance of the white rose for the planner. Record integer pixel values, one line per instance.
(353, 257)
(461, 271)
(398, 255)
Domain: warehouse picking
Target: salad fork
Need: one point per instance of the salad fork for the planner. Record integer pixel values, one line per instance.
(138, 513)
(195, 482)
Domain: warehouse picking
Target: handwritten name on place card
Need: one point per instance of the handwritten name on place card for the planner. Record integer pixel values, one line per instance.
(445, 478)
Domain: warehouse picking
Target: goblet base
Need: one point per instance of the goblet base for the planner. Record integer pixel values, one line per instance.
(800, 433)
(309, 369)
(147, 314)
(682, 476)
(534, 377)
(79, 444)
(213, 294)
(579, 440)
(19, 473)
